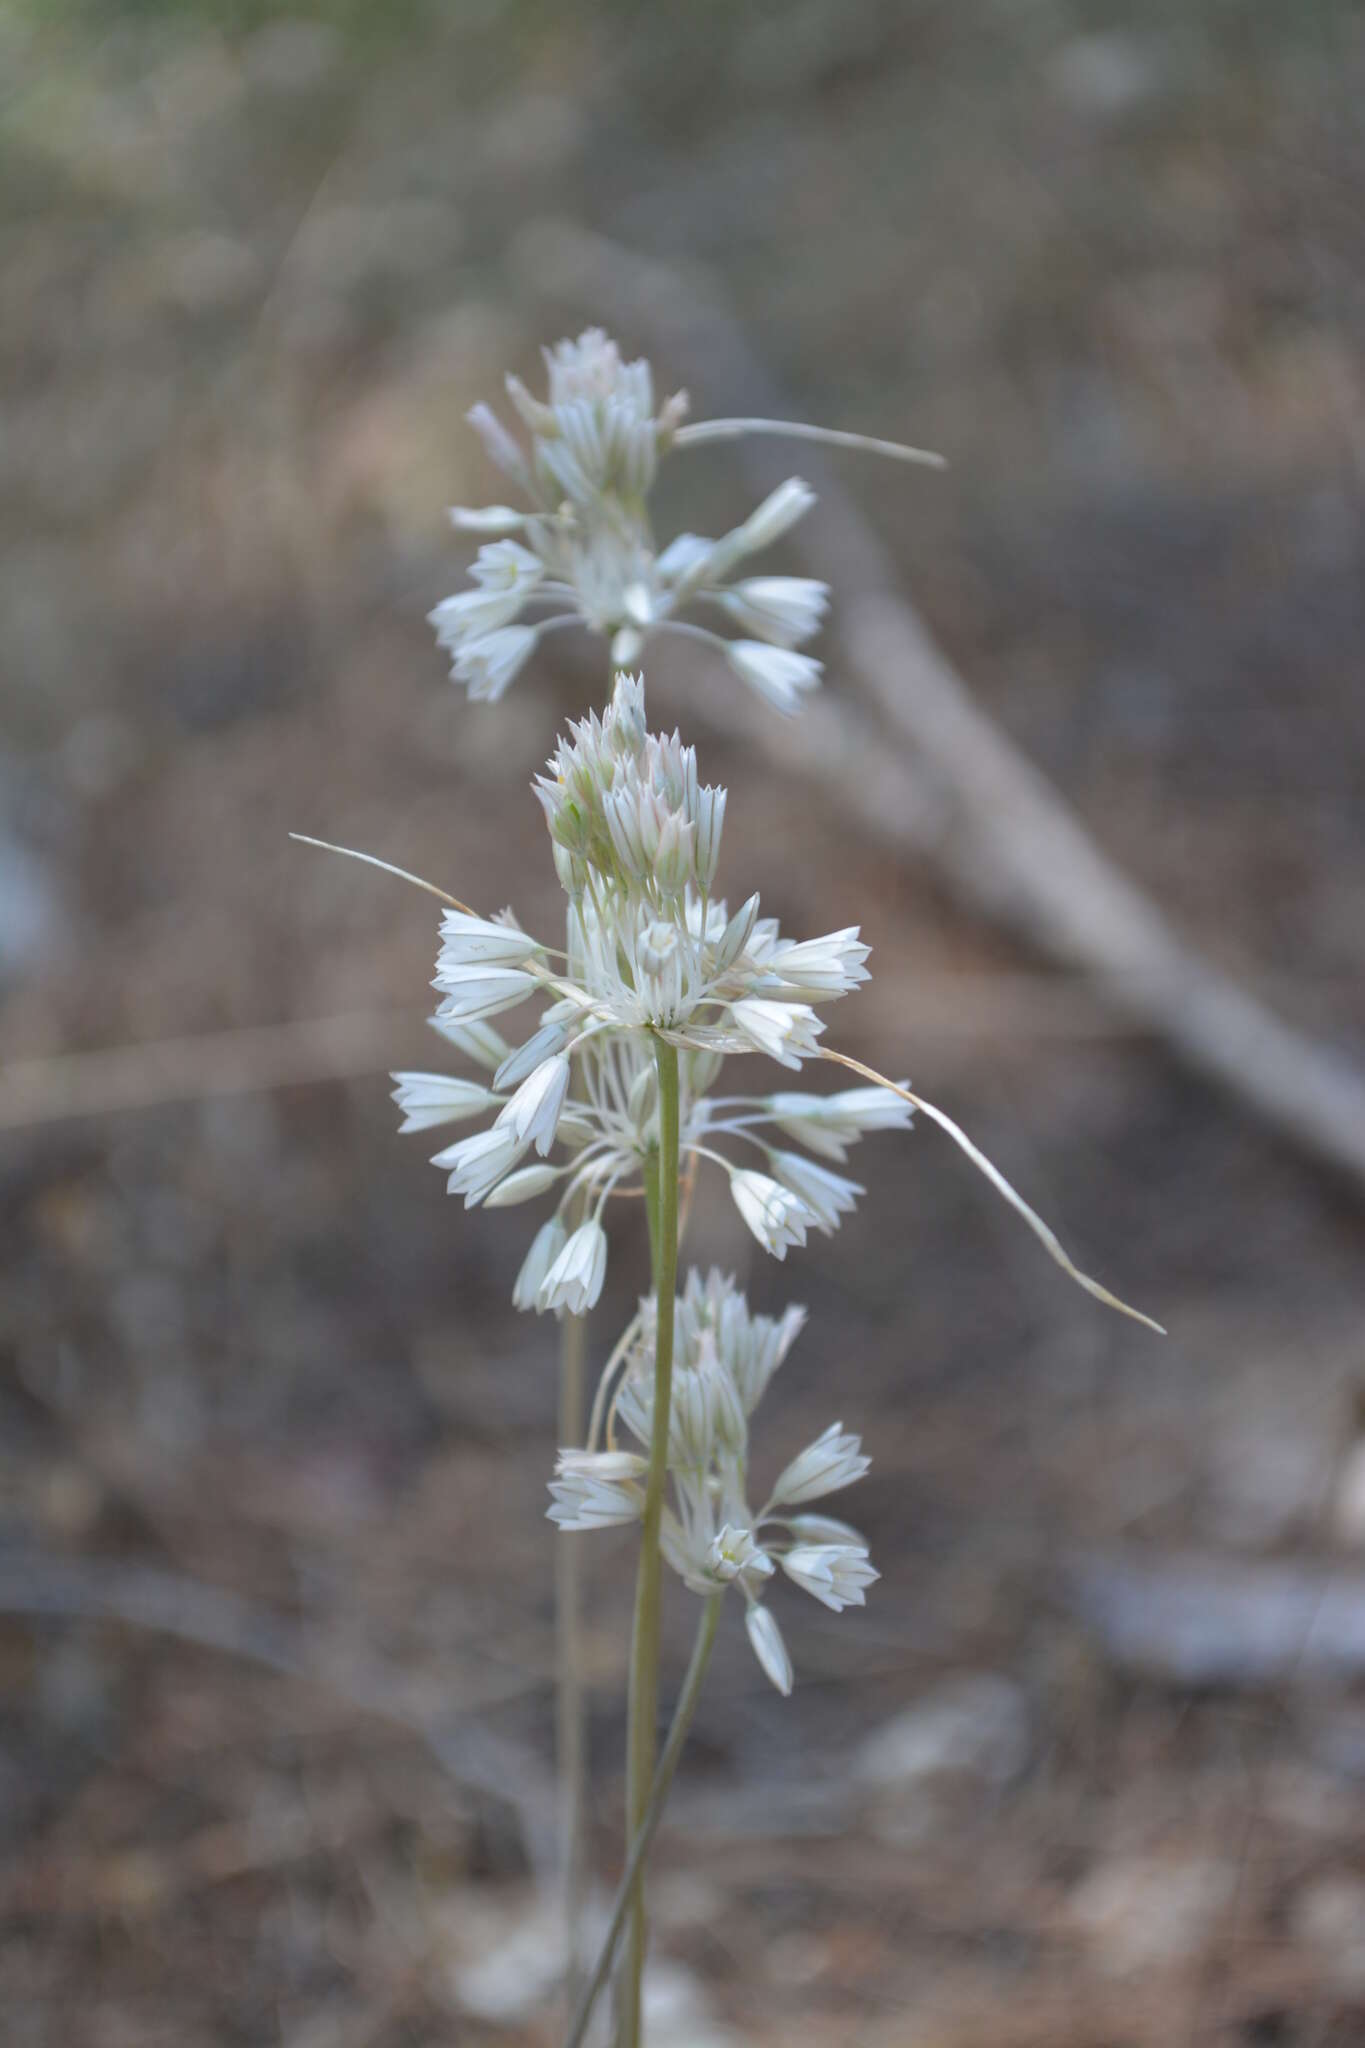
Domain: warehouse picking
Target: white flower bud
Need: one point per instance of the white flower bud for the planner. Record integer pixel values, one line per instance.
(541, 419)
(560, 471)
(659, 961)
(674, 861)
(627, 713)
(621, 810)
(522, 1186)
(736, 935)
(768, 521)
(710, 818)
(643, 1100)
(539, 1046)
(498, 445)
(769, 1648)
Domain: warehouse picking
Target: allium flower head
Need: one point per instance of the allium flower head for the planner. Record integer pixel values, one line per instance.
(650, 953)
(724, 1358)
(580, 550)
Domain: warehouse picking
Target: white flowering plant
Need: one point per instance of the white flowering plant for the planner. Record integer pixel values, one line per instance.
(612, 1086)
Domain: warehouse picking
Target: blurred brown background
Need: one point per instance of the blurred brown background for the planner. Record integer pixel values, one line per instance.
(1089, 1771)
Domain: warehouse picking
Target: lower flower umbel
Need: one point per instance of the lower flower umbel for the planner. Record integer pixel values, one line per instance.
(725, 1358)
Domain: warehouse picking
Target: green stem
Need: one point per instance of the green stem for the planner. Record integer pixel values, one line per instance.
(658, 1798)
(644, 1653)
(571, 1744)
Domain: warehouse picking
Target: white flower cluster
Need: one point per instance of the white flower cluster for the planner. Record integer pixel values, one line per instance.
(581, 550)
(725, 1358)
(649, 955)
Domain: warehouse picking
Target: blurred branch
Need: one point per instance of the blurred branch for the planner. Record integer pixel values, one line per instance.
(260, 1057)
(241, 1062)
(171, 1604)
(956, 792)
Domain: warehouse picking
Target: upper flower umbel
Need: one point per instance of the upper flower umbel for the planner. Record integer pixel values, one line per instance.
(581, 550)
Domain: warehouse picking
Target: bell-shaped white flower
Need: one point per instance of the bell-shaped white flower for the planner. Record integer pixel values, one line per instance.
(546, 1246)
(498, 445)
(475, 992)
(427, 1100)
(778, 1218)
(769, 1648)
(532, 1115)
(736, 1555)
(833, 1461)
(786, 1032)
(827, 1195)
(820, 968)
(506, 568)
(829, 1124)
(488, 665)
(782, 609)
(779, 677)
(837, 1574)
(596, 1490)
(468, 941)
(478, 1163)
(507, 574)
(575, 1279)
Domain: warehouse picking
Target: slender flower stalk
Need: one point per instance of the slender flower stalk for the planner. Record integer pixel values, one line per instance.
(643, 1707)
(570, 1725)
(644, 1835)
